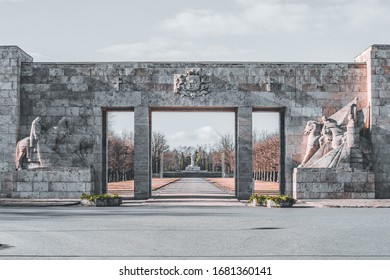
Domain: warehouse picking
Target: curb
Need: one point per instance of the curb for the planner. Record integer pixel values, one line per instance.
(37, 202)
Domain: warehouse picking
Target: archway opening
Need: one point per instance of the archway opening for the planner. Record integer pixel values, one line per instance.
(266, 152)
(193, 152)
(120, 153)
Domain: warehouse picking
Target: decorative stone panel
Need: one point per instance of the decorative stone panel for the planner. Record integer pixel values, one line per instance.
(58, 183)
(329, 183)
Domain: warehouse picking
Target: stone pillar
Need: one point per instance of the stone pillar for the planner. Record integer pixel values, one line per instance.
(142, 167)
(243, 178)
(162, 165)
(11, 58)
(377, 58)
(223, 164)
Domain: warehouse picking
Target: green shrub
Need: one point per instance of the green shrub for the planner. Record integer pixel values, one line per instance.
(92, 197)
(262, 199)
(282, 199)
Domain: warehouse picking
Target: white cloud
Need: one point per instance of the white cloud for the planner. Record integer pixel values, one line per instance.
(165, 49)
(199, 136)
(154, 48)
(249, 18)
(281, 16)
(257, 30)
(200, 23)
(38, 57)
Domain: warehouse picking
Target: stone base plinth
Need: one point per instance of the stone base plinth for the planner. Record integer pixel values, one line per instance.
(194, 174)
(52, 183)
(328, 183)
(192, 168)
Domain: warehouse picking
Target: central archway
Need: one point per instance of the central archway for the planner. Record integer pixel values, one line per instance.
(196, 149)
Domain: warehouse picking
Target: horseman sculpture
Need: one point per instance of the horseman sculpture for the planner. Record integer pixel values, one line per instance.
(330, 141)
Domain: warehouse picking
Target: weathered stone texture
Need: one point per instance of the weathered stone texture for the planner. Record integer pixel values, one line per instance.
(11, 59)
(59, 183)
(244, 180)
(328, 183)
(377, 58)
(142, 164)
(79, 91)
(302, 91)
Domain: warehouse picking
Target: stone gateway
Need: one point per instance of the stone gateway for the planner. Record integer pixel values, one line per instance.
(334, 119)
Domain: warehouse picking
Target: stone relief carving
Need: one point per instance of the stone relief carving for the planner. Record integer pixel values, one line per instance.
(338, 141)
(117, 81)
(313, 130)
(21, 152)
(192, 84)
(55, 147)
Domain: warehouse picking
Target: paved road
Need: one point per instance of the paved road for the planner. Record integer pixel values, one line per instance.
(174, 228)
(192, 192)
(76, 232)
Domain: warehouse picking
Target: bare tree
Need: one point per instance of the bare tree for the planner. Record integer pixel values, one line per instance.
(159, 145)
(120, 157)
(265, 153)
(226, 145)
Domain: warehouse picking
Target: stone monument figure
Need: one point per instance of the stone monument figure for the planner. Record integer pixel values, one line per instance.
(192, 166)
(35, 135)
(34, 149)
(21, 151)
(313, 130)
(331, 132)
(53, 148)
(335, 142)
(29, 147)
(193, 159)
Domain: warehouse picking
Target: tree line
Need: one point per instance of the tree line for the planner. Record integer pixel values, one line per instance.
(265, 156)
(208, 157)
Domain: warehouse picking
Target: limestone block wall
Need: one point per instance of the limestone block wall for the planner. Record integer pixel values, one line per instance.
(377, 58)
(328, 183)
(80, 91)
(11, 58)
(59, 183)
(307, 92)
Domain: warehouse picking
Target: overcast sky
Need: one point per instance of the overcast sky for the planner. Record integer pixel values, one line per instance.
(230, 30)
(195, 128)
(174, 30)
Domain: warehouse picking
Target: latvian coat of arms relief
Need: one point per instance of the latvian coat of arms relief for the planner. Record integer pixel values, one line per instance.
(192, 84)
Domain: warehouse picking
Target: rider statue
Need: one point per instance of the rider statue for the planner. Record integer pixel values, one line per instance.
(35, 133)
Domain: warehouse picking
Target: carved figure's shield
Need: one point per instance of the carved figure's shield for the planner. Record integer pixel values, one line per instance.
(193, 82)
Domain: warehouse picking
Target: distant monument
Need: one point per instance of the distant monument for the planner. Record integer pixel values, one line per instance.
(193, 166)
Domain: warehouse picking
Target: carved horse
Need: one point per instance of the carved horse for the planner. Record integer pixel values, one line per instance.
(313, 130)
(21, 151)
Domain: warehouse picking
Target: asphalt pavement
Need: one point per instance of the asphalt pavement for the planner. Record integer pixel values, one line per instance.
(186, 232)
(191, 219)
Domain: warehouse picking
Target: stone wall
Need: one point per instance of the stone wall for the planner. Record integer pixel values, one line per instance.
(80, 91)
(11, 59)
(59, 183)
(328, 183)
(84, 91)
(377, 58)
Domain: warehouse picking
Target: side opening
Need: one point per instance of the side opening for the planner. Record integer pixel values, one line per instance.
(267, 165)
(118, 146)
